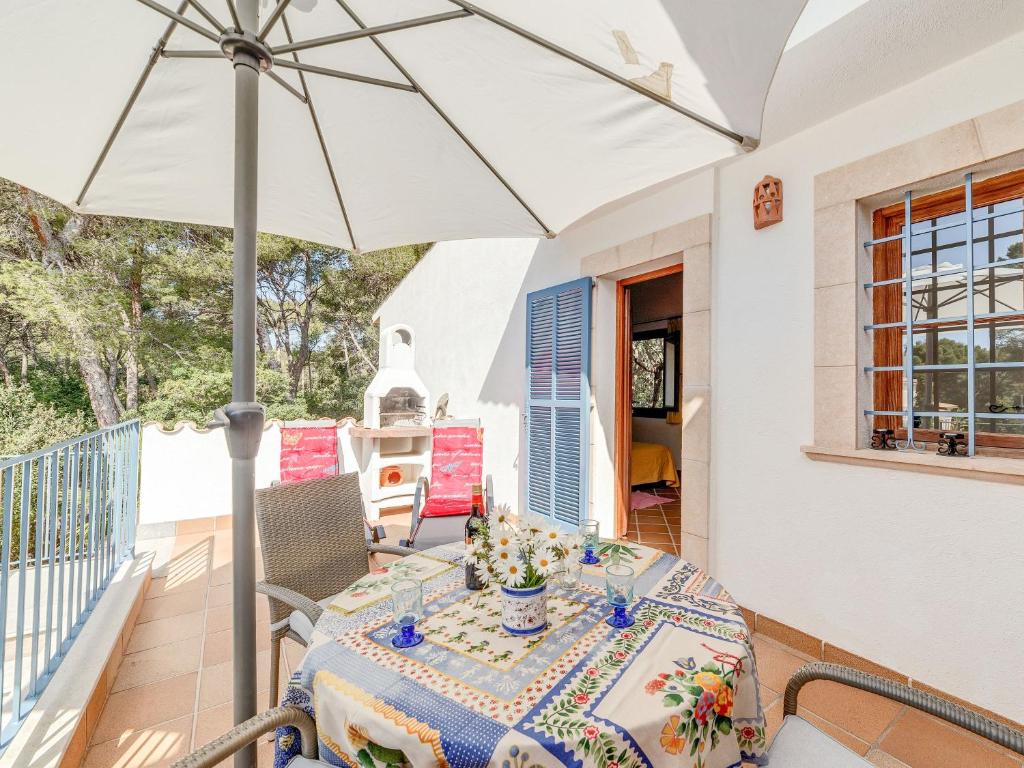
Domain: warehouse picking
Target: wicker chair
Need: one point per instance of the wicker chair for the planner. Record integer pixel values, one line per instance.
(799, 744)
(314, 543)
(246, 733)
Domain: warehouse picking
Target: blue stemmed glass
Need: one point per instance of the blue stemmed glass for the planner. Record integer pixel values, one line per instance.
(619, 582)
(589, 531)
(407, 601)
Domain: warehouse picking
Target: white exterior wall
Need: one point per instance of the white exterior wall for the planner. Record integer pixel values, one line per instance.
(920, 573)
(466, 303)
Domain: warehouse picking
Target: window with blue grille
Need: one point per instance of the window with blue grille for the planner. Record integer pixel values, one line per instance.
(947, 318)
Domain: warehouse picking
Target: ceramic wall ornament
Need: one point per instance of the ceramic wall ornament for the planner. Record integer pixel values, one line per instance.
(767, 202)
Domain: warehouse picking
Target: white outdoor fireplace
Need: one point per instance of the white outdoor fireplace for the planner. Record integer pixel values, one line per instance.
(393, 446)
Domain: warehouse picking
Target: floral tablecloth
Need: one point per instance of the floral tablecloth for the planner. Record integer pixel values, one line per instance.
(677, 688)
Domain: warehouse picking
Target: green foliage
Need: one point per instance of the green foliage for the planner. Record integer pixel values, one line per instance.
(61, 389)
(26, 424)
(192, 393)
(134, 317)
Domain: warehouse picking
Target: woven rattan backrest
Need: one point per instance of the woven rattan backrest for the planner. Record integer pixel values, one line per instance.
(312, 537)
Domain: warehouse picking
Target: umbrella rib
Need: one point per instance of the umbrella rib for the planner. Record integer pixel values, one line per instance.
(272, 18)
(370, 31)
(208, 16)
(443, 115)
(740, 139)
(323, 143)
(287, 86)
(198, 28)
(234, 15)
(179, 54)
(153, 58)
(342, 75)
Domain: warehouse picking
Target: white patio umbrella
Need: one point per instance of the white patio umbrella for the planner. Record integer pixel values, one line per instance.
(384, 122)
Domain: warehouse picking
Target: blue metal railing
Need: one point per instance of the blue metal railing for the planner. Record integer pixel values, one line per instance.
(67, 521)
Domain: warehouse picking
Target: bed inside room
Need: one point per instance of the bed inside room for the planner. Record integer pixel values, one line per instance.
(655, 317)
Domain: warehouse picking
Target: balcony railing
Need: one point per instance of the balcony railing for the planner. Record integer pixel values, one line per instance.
(68, 521)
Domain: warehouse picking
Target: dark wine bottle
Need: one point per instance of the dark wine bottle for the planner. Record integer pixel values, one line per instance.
(473, 525)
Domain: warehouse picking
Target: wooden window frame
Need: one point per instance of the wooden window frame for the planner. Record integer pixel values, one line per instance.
(666, 336)
(887, 301)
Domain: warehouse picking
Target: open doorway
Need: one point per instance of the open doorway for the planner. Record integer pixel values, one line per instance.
(648, 424)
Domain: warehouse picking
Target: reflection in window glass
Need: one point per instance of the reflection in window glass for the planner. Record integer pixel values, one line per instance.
(649, 373)
(940, 304)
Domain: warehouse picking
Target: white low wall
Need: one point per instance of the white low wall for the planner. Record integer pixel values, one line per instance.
(186, 472)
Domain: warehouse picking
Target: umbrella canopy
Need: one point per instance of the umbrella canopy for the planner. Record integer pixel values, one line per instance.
(380, 122)
(492, 132)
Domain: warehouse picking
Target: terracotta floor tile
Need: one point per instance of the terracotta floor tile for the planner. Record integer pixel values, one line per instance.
(138, 708)
(772, 720)
(920, 740)
(221, 574)
(294, 652)
(862, 714)
(884, 759)
(162, 631)
(775, 664)
(218, 646)
(655, 528)
(172, 605)
(192, 545)
(220, 594)
(219, 617)
(216, 682)
(165, 586)
(649, 514)
(656, 538)
(198, 525)
(672, 549)
(153, 747)
(790, 637)
(212, 722)
(768, 696)
(189, 572)
(160, 663)
(845, 738)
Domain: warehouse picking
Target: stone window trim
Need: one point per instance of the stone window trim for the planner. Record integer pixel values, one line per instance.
(844, 199)
(690, 242)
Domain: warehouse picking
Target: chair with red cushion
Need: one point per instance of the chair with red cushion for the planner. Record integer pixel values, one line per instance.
(442, 504)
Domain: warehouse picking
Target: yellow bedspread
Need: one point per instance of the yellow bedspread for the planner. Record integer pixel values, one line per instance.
(652, 463)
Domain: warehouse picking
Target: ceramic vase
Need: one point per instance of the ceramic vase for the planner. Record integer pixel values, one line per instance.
(524, 611)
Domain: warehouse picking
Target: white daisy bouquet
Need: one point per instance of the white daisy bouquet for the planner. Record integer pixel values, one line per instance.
(519, 553)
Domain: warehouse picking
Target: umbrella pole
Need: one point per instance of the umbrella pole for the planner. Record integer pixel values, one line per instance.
(244, 415)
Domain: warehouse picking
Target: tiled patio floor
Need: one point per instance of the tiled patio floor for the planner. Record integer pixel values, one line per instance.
(173, 689)
(659, 526)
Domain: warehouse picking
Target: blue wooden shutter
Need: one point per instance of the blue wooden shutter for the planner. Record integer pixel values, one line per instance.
(558, 401)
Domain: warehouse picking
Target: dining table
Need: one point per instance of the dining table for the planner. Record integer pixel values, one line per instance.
(678, 687)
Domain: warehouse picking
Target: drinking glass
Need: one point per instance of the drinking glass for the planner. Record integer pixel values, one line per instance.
(569, 576)
(619, 583)
(589, 531)
(407, 601)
